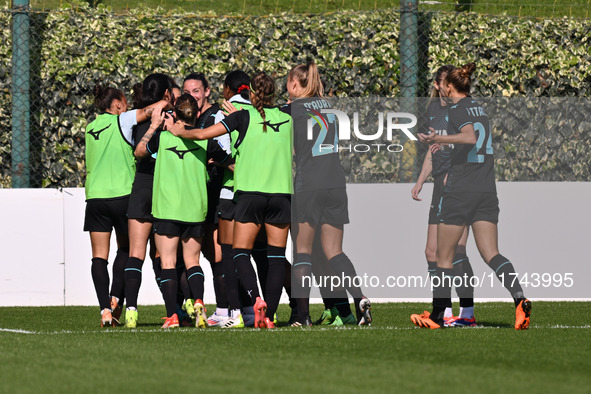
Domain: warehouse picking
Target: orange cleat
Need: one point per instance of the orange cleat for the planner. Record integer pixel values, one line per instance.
(268, 323)
(424, 320)
(260, 309)
(106, 318)
(171, 322)
(117, 310)
(522, 313)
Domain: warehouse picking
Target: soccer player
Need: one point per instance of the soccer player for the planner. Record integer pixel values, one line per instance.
(263, 187)
(154, 88)
(320, 194)
(180, 207)
(469, 198)
(110, 169)
(196, 85)
(437, 163)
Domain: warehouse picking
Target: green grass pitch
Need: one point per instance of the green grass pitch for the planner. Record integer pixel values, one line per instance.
(62, 349)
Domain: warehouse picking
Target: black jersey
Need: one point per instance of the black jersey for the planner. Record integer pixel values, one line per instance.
(214, 149)
(438, 120)
(146, 164)
(472, 167)
(316, 155)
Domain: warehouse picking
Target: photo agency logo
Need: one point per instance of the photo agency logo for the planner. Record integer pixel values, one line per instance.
(355, 131)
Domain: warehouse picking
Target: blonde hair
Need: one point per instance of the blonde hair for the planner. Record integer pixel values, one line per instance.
(309, 79)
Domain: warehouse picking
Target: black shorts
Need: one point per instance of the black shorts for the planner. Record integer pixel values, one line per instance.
(436, 198)
(325, 206)
(467, 208)
(262, 208)
(179, 229)
(140, 200)
(226, 209)
(102, 215)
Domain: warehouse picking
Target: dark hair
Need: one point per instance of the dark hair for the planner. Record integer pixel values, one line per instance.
(238, 81)
(460, 77)
(186, 109)
(309, 79)
(198, 77)
(263, 89)
(173, 84)
(439, 77)
(104, 96)
(151, 90)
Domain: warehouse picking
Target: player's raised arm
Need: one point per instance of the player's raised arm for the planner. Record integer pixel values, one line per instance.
(195, 134)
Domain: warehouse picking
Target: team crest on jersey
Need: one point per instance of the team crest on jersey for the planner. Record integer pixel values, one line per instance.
(274, 126)
(181, 153)
(96, 134)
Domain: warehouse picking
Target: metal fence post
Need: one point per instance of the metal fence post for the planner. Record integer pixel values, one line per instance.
(409, 78)
(20, 94)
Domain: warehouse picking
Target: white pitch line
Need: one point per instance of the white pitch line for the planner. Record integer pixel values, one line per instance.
(18, 331)
(276, 330)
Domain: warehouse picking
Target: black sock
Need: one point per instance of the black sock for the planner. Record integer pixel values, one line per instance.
(246, 273)
(100, 277)
(343, 306)
(119, 264)
(463, 269)
(275, 278)
(157, 266)
(343, 267)
(506, 274)
(133, 280)
(196, 279)
(302, 280)
(431, 268)
(184, 290)
(230, 277)
(442, 283)
(287, 286)
(169, 285)
(259, 255)
(221, 294)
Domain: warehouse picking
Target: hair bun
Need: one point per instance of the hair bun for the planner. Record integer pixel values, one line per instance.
(467, 70)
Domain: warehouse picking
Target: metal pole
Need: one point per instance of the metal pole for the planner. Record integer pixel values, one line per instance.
(409, 77)
(20, 93)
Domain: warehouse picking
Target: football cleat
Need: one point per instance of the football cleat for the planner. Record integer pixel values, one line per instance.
(349, 320)
(232, 322)
(328, 317)
(268, 323)
(459, 322)
(365, 307)
(106, 318)
(117, 310)
(216, 320)
(260, 309)
(130, 318)
(306, 323)
(522, 313)
(188, 307)
(200, 316)
(424, 320)
(171, 322)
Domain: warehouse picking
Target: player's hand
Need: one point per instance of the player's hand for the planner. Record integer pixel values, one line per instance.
(427, 138)
(176, 128)
(228, 108)
(158, 115)
(434, 148)
(415, 192)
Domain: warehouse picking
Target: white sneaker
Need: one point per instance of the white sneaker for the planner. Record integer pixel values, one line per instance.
(365, 307)
(233, 322)
(216, 320)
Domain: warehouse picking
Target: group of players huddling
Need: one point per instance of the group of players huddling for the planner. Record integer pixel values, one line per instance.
(190, 177)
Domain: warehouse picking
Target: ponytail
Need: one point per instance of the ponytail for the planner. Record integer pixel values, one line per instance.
(308, 77)
(262, 90)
